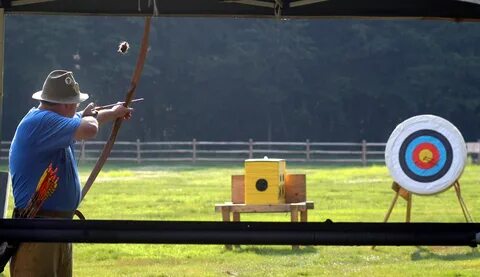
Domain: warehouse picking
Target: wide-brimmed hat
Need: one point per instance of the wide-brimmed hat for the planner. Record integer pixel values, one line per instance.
(60, 87)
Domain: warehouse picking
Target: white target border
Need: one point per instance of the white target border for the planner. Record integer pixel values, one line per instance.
(426, 122)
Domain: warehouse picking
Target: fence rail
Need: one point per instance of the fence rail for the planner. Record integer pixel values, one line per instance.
(322, 152)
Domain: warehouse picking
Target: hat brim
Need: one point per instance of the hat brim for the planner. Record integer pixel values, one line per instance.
(74, 100)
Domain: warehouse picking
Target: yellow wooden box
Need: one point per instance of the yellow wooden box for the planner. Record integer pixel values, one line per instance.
(265, 181)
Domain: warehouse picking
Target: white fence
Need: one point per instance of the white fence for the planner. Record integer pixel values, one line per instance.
(193, 151)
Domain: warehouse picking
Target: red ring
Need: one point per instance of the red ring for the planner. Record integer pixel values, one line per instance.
(425, 164)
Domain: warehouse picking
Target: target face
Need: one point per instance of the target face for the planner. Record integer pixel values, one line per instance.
(425, 154)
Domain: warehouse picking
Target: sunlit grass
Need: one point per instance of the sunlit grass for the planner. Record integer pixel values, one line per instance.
(342, 194)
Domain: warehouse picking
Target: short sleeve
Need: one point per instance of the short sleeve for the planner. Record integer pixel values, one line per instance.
(56, 131)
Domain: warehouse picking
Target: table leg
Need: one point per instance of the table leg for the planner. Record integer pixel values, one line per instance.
(236, 218)
(304, 216)
(226, 218)
(294, 218)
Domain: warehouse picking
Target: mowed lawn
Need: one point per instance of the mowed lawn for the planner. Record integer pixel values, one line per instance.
(342, 194)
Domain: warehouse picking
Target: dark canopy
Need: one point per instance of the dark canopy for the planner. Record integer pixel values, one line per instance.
(431, 9)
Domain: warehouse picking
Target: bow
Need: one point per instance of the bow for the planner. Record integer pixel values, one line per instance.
(118, 122)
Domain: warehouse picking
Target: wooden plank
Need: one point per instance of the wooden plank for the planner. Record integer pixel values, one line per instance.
(165, 151)
(295, 188)
(334, 152)
(270, 151)
(271, 143)
(223, 143)
(376, 144)
(168, 143)
(272, 208)
(238, 189)
(309, 204)
(335, 144)
(222, 151)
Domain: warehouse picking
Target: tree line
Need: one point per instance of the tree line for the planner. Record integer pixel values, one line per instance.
(265, 79)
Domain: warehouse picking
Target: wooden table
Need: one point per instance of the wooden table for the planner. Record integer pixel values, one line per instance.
(294, 209)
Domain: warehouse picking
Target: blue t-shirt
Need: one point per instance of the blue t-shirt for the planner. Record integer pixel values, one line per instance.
(45, 137)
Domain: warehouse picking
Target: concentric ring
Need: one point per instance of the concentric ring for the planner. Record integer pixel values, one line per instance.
(425, 170)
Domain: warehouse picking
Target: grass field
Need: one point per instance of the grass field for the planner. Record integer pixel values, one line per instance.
(186, 192)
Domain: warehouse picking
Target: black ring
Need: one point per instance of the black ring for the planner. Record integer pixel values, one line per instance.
(261, 185)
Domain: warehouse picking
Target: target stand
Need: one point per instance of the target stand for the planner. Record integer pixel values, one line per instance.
(407, 196)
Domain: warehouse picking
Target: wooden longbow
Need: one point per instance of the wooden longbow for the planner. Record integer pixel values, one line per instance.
(118, 122)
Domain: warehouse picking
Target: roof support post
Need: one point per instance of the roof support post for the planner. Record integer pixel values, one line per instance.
(2, 62)
(3, 175)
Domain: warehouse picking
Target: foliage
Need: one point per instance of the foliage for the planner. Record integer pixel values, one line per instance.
(235, 79)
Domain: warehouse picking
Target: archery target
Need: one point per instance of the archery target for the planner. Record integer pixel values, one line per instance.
(425, 154)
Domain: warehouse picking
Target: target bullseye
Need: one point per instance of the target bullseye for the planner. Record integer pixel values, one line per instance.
(425, 154)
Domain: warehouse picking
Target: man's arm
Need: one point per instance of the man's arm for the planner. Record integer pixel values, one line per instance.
(88, 128)
(91, 119)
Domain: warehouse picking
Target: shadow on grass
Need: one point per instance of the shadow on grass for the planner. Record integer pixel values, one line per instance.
(427, 253)
(303, 250)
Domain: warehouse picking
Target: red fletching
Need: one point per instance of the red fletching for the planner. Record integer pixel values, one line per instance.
(45, 188)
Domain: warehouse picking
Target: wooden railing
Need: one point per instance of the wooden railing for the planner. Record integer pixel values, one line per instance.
(193, 151)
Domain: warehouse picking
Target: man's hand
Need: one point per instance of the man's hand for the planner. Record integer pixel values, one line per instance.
(90, 110)
(122, 112)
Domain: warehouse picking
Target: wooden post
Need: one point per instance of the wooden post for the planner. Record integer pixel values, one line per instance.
(409, 208)
(304, 216)
(399, 191)
(194, 150)
(236, 218)
(477, 160)
(82, 151)
(465, 211)
(250, 148)
(390, 209)
(226, 218)
(307, 146)
(294, 218)
(2, 60)
(139, 155)
(3, 194)
(364, 152)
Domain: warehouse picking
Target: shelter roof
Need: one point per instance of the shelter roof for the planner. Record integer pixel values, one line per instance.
(457, 10)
